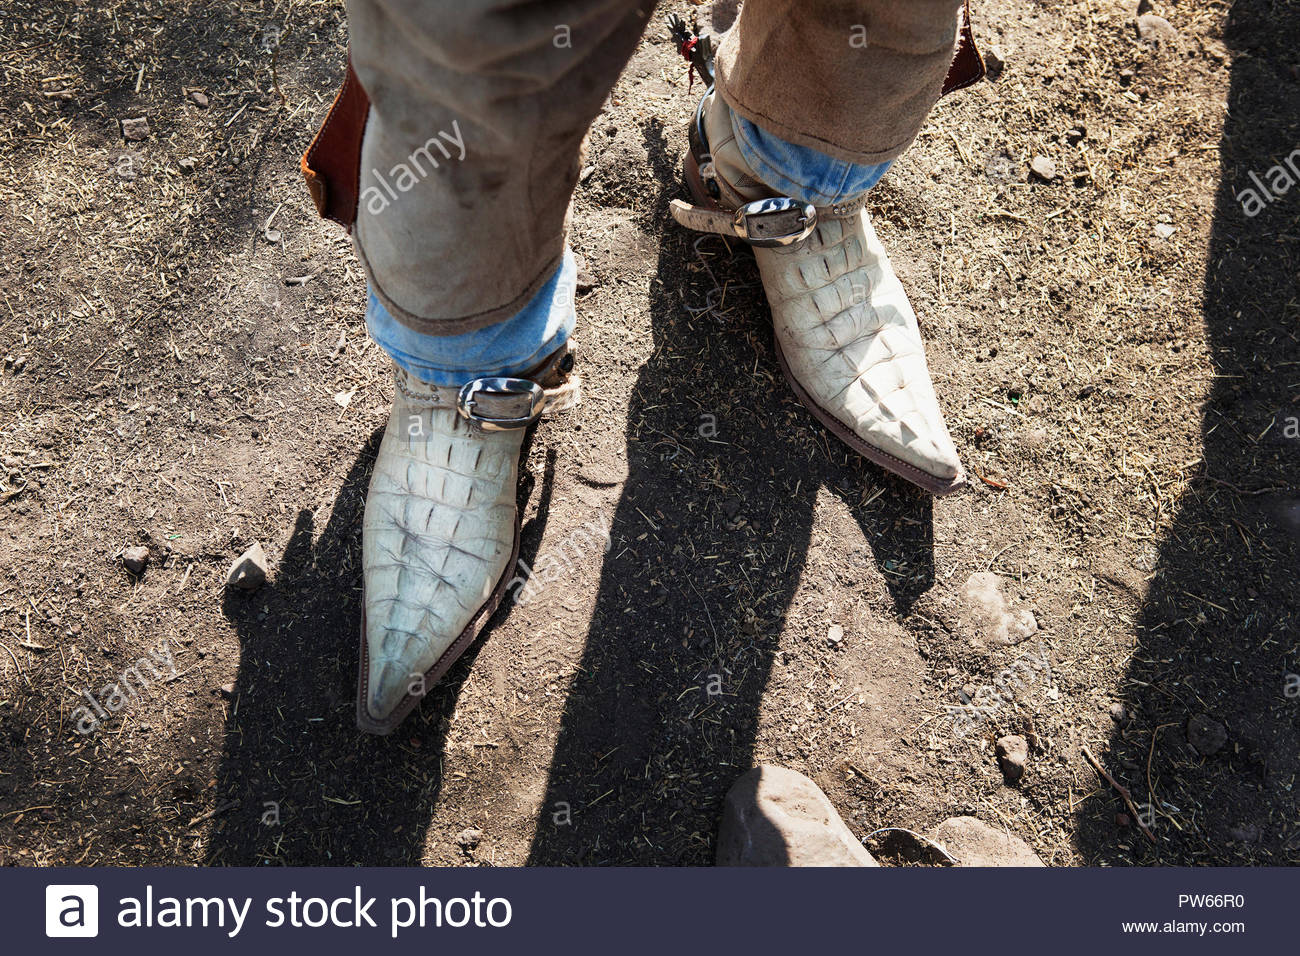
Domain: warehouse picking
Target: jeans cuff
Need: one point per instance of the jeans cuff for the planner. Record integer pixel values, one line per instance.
(512, 347)
(801, 172)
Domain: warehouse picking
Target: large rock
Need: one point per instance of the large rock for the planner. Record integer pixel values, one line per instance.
(778, 817)
(974, 843)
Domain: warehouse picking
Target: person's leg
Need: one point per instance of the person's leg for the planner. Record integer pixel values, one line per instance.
(470, 153)
(854, 80)
(813, 100)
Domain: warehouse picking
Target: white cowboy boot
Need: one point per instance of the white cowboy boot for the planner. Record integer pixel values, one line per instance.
(846, 336)
(441, 529)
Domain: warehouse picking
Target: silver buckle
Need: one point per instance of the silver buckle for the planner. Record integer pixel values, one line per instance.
(781, 221)
(466, 401)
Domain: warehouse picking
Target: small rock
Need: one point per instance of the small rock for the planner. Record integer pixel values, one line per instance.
(1164, 230)
(1013, 754)
(468, 838)
(1156, 31)
(974, 843)
(989, 615)
(994, 63)
(226, 690)
(1043, 168)
(248, 572)
(135, 559)
(1206, 734)
(835, 634)
(188, 164)
(777, 817)
(1118, 713)
(199, 99)
(135, 129)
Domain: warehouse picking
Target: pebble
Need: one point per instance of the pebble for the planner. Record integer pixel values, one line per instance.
(248, 572)
(1206, 734)
(1164, 230)
(994, 63)
(1156, 31)
(135, 129)
(1013, 754)
(835, 634)
(199, 99)
(188, 164)
(1043, 168)
(469, 838)
(135, 559)
(226, 690)
(1118, 713)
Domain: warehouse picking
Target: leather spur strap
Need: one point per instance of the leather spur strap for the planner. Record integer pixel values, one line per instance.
(332, 163)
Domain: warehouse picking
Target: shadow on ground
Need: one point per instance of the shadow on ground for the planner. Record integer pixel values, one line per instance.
(710, 537)
(1211, 744)
(290, 734)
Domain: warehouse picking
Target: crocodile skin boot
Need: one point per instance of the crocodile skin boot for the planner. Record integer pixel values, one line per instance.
(441, 529)
(845, 334)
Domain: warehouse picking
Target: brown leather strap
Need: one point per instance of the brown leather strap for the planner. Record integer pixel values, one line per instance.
(702, 219)
(332, 163)
(967, 65)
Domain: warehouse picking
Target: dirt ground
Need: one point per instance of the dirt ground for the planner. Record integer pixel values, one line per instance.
(1116, 349)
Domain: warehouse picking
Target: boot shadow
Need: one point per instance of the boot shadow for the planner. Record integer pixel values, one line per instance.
(712, 531)
(1210, 743)
(298, 784)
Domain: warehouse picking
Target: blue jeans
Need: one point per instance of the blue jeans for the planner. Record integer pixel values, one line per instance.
(521, 342)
